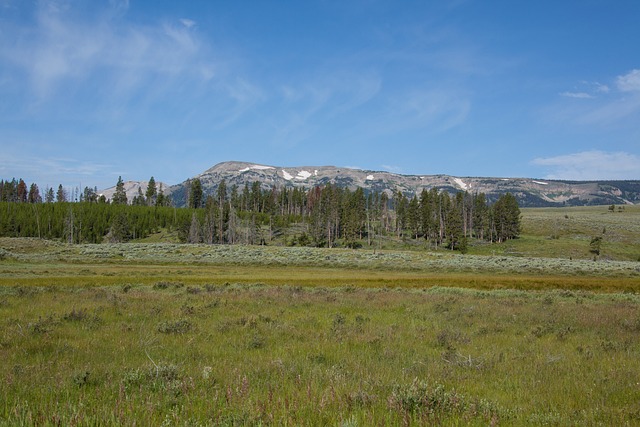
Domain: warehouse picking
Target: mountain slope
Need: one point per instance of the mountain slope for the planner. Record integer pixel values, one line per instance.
(529, 192)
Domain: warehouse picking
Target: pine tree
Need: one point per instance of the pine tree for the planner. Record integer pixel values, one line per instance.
(195, 194)
(454, 223)
(161, 199)
(480, 211)
(22, 191)
(61, 195)
(139, 199)
(120, 195)
(119, 230)
(90, 194)
(50, 197)
(413, 216)
(506, 218)
(34, 194)
(151, 192)
(223, 210)
(428, 213)
(402, 205)
(246, 197)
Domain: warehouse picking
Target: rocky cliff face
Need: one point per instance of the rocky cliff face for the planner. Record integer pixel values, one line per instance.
(529, 192)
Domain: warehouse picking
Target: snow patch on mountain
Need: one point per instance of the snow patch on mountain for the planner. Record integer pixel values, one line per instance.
(370, 178)
(255, 167)
(540, 182)
(461, 183)
(286, 175)
(302, 175)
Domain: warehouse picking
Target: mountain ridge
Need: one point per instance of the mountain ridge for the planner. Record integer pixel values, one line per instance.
(530, 192)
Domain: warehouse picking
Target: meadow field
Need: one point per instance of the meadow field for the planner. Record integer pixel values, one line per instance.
(536, 331)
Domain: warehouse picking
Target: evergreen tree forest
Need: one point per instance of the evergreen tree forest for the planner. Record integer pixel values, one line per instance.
(323, 216)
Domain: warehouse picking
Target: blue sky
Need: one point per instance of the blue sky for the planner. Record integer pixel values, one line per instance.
(90, 90)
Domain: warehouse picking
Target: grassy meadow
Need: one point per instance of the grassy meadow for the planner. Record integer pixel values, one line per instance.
(530, 332)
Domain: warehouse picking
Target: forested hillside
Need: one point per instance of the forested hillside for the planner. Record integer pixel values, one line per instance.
(326, 215)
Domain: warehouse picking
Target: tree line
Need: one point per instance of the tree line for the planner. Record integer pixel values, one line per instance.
(326, 216)
(332, 214)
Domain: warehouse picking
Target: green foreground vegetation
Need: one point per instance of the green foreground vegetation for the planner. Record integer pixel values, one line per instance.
(176, 334)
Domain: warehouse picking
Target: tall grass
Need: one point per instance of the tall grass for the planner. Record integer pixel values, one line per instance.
(166, 334)
(248, 355)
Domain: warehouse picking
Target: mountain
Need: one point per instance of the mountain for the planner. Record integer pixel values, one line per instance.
(529, 192)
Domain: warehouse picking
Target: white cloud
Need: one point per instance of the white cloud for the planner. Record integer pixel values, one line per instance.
(437, 110)
(302, 109)
(591, 165)
(60, 46)
(587, 90)
(188, 22)
(629, 82)
(610, 106)
(579, 95)
(599, 87)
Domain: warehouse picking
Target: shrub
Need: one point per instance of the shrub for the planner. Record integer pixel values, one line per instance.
(421, 399)
(181, 326)
(76, 315)
(42, 325)
(81, 378)
(595, 245)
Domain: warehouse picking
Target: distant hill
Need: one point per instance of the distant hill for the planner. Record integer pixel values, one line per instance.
(529, 192)
(131, 188)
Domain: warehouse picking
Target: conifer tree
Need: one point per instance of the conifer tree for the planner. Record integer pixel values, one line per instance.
(161, 199)
(223, 216)
(195, 194)
(120, 196)
(22, 191)
(413, 216)
(139, 199)
(151, 192)
(402, 205)
(119, 230)
(49, 197)
(506, 218)
(61, 195)
(34, 194)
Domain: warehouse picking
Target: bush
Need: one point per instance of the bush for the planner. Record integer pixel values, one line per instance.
(181, 326)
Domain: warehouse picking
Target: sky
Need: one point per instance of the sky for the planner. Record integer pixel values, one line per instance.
(96, 89)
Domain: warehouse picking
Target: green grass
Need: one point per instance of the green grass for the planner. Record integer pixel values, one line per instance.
(317, 356)
(169, 334)
(566, 233)
(546, 232)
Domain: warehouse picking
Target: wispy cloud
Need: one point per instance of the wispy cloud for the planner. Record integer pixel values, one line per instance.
(60, 47)
(629, 82)
(188, 22)
(300, 109)
(591, 165)
(608, 105)
(578, 95)
(438, 110)
(586, 90)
